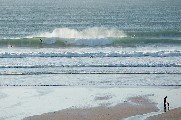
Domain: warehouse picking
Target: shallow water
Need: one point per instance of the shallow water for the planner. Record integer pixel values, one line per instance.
(123, 38)
(21, 102)
(122, 45)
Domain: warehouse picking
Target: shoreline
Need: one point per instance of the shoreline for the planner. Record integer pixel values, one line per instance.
(22, 102)
(132, 106)
(173, 114)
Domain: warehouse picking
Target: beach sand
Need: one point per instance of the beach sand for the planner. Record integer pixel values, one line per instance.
(174, 114)
(131, 107)
(82, 103)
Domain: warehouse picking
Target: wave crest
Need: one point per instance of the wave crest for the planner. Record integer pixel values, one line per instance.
(88, 33)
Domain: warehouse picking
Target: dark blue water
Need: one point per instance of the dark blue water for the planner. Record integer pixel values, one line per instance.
(90, 42)
(22, 18)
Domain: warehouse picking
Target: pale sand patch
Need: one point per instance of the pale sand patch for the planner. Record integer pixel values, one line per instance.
(174, 114)
(133, 106)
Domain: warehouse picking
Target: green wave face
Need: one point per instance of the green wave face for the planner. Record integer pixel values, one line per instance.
(39, 42)
(32, 42)
(143, 41)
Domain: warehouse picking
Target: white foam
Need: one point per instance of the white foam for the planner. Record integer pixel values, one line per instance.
(94, 32)
(83, 53)
(20, 102)
(89, 42)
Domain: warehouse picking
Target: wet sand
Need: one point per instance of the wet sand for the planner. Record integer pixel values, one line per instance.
(174, 114)
(85, 103)
(131, 107)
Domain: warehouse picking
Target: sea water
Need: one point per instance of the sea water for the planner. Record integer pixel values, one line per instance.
(90, 43)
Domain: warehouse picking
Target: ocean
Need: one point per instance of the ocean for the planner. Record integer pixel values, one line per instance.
(90, 43)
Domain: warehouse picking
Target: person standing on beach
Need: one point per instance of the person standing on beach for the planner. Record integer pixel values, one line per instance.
(168, 105)
(165, 103)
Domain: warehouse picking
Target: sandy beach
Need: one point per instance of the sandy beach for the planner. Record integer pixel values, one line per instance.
(174, 114)
(132, 106)
(80, 103)
(90, 59)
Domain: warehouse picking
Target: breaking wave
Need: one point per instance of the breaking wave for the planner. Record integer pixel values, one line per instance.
(174, 53)
(89, 33)
(66, 37)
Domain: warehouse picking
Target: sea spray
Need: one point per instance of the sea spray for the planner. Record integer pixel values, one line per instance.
(88, 33)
